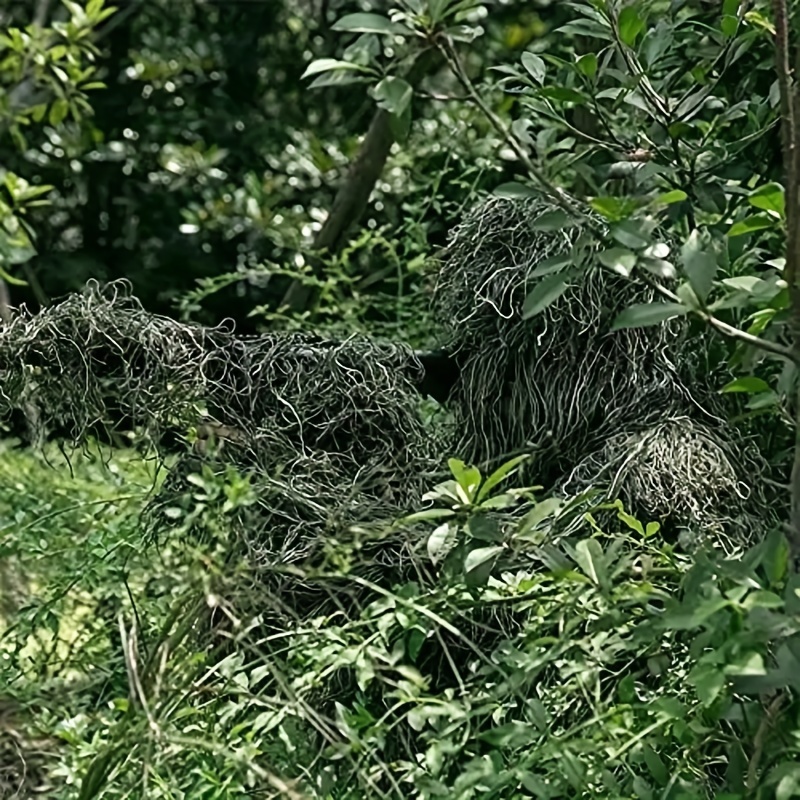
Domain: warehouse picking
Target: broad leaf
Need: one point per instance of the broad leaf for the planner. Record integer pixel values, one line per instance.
(587, 65)
(468, 478)
(750, 384)
(645, 314)
(700, 265)
(630, 25)
(619, 260)
(514, 190)
(500, 474)
(770, 198)
(552, 264)
(668, 198)
(758, 222)
(631, 234)
(330, 64)
(441, 541)
(553, 221)
(544, 294)
(534, 66)
(482, 555)
(591, 560)
(369, 23)
(394, 95)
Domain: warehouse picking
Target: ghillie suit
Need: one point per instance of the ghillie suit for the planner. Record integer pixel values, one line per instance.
(602, 409)
(328, 432)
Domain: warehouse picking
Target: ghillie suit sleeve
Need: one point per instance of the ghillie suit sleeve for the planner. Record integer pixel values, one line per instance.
(599, 409)
(328, 432)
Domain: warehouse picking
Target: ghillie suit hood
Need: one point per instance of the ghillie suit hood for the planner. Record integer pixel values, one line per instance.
(598, 408)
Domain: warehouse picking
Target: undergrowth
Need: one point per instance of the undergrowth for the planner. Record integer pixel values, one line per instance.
(536, 655)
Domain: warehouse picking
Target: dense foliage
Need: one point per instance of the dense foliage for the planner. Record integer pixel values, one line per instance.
(573, 577)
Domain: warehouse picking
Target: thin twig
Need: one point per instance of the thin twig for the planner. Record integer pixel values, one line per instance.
(759, 740)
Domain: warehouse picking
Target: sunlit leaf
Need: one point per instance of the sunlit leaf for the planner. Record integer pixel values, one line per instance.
(619, 260)
(749, 384)
(534, 66)
(758, 222)
(770, 198)
(480, 556)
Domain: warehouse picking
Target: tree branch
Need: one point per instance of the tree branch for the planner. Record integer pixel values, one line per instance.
(788, 100)
(353, 196)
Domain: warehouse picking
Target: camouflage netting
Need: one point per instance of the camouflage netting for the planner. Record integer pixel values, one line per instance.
(601, 409)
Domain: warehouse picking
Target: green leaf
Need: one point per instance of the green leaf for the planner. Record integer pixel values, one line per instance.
(744, 283)
(10, 279)
(630, 25)
(646, 314)
(708, 681)
(441, 541)
(544, 294)
(749, 384)
(534, 66)
(748, 664)
(512, 734)
(630, 234)
(341, 78)
(586, 27)
(468, 478)
(538, 514)
(393, 94)
(331, 64)
(480, 556)
(514, 191)
(761, 598)
(587, 65)
(688, 296)
(668, 198)
(415, 638)
(770, 198)
(500, 474)
(591, 560)
(776, 557)
(552, 264)
(659, 267)
(563, 94)
(656, 766)
(485, 528)
(369, 23)
(699, 264)
(789, 783)
(614, 209)
(758, 222)
(58, 111)
(619, 260)
(426, 515)
(553, 221)
(694, 617)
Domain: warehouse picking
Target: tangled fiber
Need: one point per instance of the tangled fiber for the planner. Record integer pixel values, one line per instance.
(599, 408)
(329, 431)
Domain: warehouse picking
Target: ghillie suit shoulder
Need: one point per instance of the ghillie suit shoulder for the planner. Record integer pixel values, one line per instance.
(599, 408)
